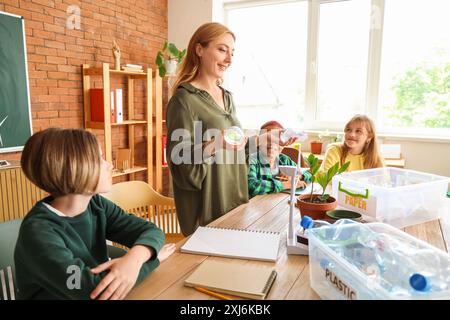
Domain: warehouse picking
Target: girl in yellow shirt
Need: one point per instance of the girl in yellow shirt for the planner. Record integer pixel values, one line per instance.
(359, 147)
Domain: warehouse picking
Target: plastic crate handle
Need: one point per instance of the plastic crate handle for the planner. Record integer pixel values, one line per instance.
(359, 195)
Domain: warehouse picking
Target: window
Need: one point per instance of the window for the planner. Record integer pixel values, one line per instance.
(415, 65)
(314, 64)
(267, 76)
(343, 44)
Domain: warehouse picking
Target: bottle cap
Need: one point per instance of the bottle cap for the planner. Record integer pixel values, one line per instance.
(419, 282)
(307, 222)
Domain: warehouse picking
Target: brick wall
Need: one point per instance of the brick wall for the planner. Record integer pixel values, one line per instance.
(56, 53)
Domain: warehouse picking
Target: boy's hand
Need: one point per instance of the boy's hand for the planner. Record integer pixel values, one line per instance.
(123, 273)
(289, 142)
(166, 251)
(301, 184)
(118, 282)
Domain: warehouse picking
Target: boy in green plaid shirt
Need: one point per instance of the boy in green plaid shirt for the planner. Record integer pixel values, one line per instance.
(264, 176)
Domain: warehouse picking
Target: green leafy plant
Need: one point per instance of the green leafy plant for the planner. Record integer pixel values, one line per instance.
(323, 178)
(168, 52)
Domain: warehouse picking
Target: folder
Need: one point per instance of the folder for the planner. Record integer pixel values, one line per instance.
(97, 105)
(233, 277)
(119, 105)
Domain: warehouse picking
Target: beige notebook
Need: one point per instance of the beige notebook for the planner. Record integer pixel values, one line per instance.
(233, 277)
(234, 243)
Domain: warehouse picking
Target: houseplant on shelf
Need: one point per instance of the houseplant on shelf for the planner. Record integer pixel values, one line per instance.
(325, 138)
(316, 205)
(168, 59)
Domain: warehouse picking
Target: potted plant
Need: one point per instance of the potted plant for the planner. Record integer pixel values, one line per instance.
(316, 205)
(316, 146)
(168, 59)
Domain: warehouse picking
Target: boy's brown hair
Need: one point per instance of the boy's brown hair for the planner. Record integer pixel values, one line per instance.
(62, 161)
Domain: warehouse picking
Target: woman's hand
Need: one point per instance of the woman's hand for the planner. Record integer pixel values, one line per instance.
(123, 273)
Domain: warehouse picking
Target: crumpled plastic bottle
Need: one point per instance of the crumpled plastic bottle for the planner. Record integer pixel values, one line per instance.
(290, 133)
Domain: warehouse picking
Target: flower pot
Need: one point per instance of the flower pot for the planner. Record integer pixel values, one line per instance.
(171, 67)
(316, 147)
(316, 210)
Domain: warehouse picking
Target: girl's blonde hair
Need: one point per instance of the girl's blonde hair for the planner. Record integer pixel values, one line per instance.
(372, 158)
(62, 161)
(203, 35)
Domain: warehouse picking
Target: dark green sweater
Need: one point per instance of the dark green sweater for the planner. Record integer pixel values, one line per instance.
(49, 244)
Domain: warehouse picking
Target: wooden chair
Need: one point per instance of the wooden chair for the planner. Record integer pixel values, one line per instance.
(9, 232)
(139, 198)
(293, 154)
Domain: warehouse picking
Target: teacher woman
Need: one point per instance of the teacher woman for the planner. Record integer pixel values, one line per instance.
(209, 176)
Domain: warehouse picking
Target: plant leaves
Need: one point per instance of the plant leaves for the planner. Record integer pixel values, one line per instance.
(315, 168)
(332, 171)
(162, 71)
(181, 55)
(173, 50)
(322, 179)
(324, 197)
(159, 59)
(311, 160)
(344, 167)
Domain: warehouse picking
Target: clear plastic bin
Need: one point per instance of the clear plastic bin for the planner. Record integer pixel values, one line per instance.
(359, 261)
(399, 197)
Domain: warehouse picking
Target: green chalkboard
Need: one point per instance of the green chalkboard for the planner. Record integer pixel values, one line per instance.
(15, 115)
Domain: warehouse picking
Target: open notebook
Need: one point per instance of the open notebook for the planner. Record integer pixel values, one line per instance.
(233, 243)
(233, 277)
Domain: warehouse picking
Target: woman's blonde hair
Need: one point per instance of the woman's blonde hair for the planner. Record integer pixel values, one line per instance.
(203, 35)
(372, 158)
(62, 161)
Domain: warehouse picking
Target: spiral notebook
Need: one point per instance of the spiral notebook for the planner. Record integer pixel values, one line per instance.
(232, 277)
(234, 243)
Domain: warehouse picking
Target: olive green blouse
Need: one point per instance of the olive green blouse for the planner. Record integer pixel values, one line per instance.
(203, 189)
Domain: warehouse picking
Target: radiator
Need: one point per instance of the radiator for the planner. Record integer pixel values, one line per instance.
(17, 194)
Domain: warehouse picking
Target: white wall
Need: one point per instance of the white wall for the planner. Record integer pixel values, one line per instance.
(184, 17)
(427, 156)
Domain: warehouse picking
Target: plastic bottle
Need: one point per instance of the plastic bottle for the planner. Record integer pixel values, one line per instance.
(234, 136)
(290, 133)
(307, 223)
(431, 272)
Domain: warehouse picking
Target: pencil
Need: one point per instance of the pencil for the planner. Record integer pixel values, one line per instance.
(213, 294)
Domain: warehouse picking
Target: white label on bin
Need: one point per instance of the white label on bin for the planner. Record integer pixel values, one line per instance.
(347, 291)
(365, 206)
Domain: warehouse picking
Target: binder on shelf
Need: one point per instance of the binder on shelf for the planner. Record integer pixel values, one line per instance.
(234, 243)
(97, 105)
(233, 277)
(119, 105)
(164, 144)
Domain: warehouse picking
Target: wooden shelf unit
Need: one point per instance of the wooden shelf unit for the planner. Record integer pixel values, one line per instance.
(152, 118)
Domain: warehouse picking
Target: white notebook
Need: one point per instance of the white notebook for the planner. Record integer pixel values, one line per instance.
(234, 243)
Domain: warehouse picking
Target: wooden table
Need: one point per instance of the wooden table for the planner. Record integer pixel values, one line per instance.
(268, 212)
